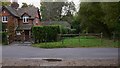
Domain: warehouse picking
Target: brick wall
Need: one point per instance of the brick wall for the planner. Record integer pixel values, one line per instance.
(10, 25)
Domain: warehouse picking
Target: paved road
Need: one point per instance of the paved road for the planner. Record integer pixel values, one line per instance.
(15, 51)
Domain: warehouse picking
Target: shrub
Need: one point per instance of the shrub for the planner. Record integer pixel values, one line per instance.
(73, 31)
(45, 33)
(65, 30)
(4, 38)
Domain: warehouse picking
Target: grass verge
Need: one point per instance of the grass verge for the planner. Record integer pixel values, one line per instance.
(79, 42)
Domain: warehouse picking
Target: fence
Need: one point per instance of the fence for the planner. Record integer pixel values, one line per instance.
(89, 39)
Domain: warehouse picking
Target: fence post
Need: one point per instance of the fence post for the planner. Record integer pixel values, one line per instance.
(62, 40)
(101, 36)
(79, 38)
(114, 36)
(45, 38)
(118, 39)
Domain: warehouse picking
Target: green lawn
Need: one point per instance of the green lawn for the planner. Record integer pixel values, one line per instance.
(79, 42)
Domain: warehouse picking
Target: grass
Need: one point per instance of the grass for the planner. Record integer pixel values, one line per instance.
(79, 42)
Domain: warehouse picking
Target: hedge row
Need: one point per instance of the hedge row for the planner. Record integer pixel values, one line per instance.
(45, 33)
(3, 35)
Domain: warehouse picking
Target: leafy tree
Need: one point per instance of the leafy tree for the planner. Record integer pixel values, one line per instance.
(24, 5)
(99, 17)
(68, 12)
(112, 13)
(31, 5)
(57, 11)
(15, 5)
(76, 24)
(51, 10)
(90, 15)
(5, 3)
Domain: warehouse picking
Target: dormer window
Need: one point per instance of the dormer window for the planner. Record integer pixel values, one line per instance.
(4, 19)
(25, 19)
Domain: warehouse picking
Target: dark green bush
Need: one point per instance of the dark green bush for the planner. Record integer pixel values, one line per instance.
(4, 38)
(45, 33)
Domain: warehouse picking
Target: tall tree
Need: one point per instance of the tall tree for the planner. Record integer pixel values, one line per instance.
(51, 10)
(68, 12)
(112, 14)
(99, 17)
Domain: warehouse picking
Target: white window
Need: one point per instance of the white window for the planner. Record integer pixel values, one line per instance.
(18, 33)
(4, 19)
(25, 19)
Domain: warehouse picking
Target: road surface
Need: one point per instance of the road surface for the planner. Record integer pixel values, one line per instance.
(15, 51)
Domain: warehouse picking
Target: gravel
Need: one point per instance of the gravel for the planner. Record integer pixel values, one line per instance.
(40, 62)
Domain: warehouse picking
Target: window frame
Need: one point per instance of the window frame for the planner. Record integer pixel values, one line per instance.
(25, 19)
(4, 19)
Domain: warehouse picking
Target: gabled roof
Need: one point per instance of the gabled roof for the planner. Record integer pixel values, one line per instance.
(11, 10)
(62, 23)
(31, 11)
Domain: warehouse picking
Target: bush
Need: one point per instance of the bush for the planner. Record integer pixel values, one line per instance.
(65, 30)
(4, 38)
(45, 33)
(73, 31)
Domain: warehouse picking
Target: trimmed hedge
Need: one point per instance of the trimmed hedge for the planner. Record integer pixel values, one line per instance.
(45, 33)
(4, 38)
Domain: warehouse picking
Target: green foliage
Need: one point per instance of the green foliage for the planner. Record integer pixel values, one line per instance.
(0, 26)
(24, 5)
(74, 42)
(76, 24)
(54, 11)
(51, 10)
(65, 30)
(45, 33)
(99, 17)
(5, 3)
(4, 38)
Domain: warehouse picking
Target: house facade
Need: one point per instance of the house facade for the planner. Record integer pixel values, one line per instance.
(18, 22)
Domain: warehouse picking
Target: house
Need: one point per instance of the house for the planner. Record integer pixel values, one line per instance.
(18, 22)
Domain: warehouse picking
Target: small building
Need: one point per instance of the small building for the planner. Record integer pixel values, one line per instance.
(19, 21)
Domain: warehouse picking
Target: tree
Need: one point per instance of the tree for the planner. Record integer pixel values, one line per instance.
(5, 3)
(112, 13)
(68, 12)
(90, 15)
(99, 17)
(31, 5)
(51, 10)
(15, 5)
(24, 5)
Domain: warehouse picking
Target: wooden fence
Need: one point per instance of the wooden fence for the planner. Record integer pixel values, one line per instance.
(100, 36)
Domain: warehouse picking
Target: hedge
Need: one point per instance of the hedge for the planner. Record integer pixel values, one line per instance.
(3, 35)
(45, 33)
